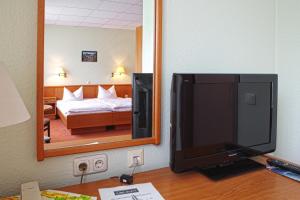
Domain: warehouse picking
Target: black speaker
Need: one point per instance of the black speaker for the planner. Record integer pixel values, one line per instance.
(142, 105)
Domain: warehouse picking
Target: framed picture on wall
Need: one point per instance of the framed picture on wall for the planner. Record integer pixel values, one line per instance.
(89, 56)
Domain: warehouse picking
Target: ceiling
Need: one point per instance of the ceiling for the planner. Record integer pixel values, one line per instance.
(117, 14)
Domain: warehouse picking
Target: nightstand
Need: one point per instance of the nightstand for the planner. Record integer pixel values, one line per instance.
(50, 107)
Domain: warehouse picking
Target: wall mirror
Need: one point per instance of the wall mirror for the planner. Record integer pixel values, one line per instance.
(98, 75)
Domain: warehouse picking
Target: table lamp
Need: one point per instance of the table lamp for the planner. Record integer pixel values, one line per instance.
(12, 108)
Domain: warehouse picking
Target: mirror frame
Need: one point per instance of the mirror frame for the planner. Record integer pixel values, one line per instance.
(155, 139)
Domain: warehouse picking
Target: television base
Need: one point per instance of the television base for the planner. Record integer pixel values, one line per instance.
(234, 169)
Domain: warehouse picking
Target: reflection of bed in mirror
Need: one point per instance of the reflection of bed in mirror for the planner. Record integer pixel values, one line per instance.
(93, 114)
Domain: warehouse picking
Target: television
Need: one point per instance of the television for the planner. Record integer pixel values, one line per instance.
(220, 119)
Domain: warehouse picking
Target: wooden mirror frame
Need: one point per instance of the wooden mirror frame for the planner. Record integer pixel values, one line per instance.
(155, 139)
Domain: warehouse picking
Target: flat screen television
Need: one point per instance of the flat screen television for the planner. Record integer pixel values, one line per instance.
(219, 119)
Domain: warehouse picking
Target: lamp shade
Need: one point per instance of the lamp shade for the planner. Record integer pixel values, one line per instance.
(12, 108)
(120, 70)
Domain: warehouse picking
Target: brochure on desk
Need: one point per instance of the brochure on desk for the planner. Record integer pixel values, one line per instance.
(284, 172)
(144, 191)
(56, 195)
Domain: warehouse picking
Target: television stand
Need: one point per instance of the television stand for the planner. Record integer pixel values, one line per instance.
(234, 169)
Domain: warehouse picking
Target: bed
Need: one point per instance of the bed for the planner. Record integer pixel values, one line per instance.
(93, 114)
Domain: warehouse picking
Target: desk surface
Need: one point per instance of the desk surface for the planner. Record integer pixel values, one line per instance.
(260, 184)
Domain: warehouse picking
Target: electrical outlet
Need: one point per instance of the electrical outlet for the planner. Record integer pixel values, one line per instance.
(76, 164)
(138, 153)
(99, 163)
(95, 164)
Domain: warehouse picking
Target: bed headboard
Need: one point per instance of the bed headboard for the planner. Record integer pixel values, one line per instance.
(89, 91)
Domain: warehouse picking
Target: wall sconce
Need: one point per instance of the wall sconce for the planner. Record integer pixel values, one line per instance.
(120, 70)
(62, 73)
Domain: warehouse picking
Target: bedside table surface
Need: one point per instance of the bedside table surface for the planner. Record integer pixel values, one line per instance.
(49, 99)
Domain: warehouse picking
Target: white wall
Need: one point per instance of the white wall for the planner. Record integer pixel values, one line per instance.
(220, 36)
(148, 36)
(288, 68)
(199, 36)
(63, 47)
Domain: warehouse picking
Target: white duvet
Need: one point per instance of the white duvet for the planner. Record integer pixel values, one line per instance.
(118, 104)
(94, 106)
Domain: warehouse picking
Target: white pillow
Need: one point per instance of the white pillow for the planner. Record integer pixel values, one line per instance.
(107, 94)
(112, 90)
(79, 93)
(75, 96)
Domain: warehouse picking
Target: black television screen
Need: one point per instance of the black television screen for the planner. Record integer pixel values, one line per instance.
(221, 118)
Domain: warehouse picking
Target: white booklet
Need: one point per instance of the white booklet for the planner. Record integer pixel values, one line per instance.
(144, 191)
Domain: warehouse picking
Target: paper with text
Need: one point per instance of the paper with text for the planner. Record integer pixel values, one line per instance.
(144, 191)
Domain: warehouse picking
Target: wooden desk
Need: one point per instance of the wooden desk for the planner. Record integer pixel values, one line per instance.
(257, 185)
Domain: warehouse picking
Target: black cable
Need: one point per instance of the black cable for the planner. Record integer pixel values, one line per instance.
(81, 180)
(83, 168)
